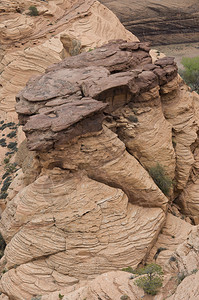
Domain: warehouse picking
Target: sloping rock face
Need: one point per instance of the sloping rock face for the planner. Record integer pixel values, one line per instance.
(120, 283)
(160, 22)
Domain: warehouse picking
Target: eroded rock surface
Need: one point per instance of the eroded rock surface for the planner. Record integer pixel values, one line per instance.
(83, 203)
(71, 220)
(33, 43)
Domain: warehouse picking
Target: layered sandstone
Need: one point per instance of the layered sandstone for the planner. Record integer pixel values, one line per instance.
(83, 203)
(34, 43)
(94, 194)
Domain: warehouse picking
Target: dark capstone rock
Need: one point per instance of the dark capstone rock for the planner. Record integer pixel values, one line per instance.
(70, 99)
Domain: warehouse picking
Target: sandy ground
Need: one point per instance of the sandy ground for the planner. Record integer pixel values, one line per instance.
(179, 51)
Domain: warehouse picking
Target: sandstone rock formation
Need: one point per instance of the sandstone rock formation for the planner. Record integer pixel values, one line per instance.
(83, 205)
(160, 21)
(188, 289)
(71, 114)
(120, 283)
(29, 44)
(34, 43)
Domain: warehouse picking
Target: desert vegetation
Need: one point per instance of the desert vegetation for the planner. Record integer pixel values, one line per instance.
(150, 278)
(160, 178)
(190, 74)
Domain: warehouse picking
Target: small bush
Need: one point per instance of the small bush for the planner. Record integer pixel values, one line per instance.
(181, 276)
(12, 146)
(12, 134)
(190, 74)
(172, 258)
(3, 195)
(6, 184)
(129, 270)
(33, 11)
(10, 153)
(152, 280)
(133, 119)
(11, 167)
(5, 174)
(2, 246)
(150, 286)
(161, 179)
(125, 297)
(3, 142)
(5, 125)
(6, 160)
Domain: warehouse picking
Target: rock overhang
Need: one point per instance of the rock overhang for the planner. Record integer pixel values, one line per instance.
(70, 99)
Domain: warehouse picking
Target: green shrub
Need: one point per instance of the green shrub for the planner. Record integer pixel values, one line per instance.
(181, 276)
(6, 184)
(190, 74)
(2, 246)
(125, 297)
(161, 179)
(12, 134)
(152, 280)
(6, 160)
(133, 119)
(12, 146)
(3, 195)
(5, 174)
(11, 167)
(33, 11)
(3, 142)
(129, 269)
(5, 125)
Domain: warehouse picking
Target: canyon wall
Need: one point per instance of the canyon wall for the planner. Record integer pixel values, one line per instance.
(159, 22)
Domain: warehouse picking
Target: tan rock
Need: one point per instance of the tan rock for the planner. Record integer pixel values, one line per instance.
(71, 220)
(33, 57)
(148, 136)
(178, 108)
(107, 163)
(112, 285)
(188, 289)
(187, 253)
(174, 233)
(15, 29)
